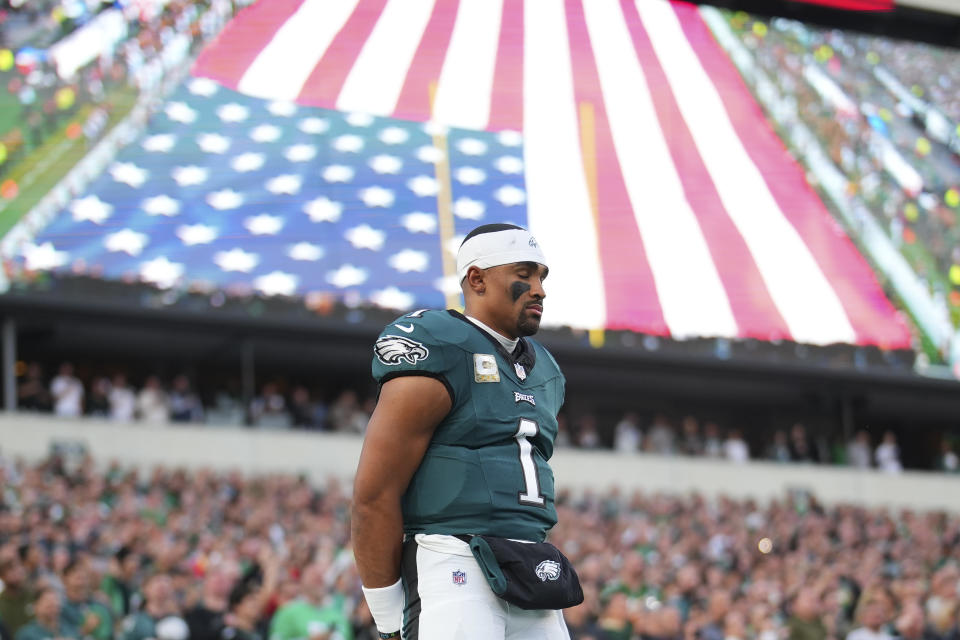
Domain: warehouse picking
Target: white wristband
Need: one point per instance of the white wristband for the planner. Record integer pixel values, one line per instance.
(386, 606)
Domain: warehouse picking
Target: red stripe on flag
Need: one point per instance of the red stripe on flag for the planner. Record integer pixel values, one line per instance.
(854, 5)
(228, 56)
(414, 100)
(873, 318)
(506, 103)
(631, 294)
(753, 308)
(326, 80)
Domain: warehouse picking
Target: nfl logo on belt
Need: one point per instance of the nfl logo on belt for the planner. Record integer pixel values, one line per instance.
(459, 578)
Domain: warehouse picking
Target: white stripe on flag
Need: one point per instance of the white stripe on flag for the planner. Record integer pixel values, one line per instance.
(466, 80)
(558, 207)
(692, 296)
(802, 293)
(283, 66)
(377, 77)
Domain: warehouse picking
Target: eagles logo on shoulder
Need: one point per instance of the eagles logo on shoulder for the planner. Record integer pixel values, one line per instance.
(391, 350)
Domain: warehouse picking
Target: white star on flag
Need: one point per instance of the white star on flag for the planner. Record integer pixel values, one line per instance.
(282, 108)
(453, 244)
(313, 125)
(266, 133)
(366, 237)
(338, 173)
(510, 138)
(392, 298)
(276, 283)
(448, 285)
(129, 174)
(249, 161)
(393, 135)
(348, 143)
(323, 210)
(305, 252)
(264, 224)
(224, 199)
(347, 276)
(236, 260)
(161, 272)
(43, 257)
(468, 209)
(510, 195)
(203, 87)
(162, 205)
(213, 143)
(409, 260)
(384, 164)
(472, 147)
(191, 234)
(90, 208)
(300, 152)
(189, 176)
(127, 241)
(357, 119)
(434, 128)
(159, 143)
(180, 112)
(470, 175)
(233, 112)
(419, 222)
(377, 197)
(429, 153)
(287, 183)
(511, 165)
(424, 186)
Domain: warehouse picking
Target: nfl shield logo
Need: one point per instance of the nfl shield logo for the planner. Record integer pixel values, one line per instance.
(459, 578)
(521, 372)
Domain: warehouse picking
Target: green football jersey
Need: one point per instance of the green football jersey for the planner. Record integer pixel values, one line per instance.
(486, 469)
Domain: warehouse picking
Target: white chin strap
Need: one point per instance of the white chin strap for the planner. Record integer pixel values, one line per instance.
(496, 248)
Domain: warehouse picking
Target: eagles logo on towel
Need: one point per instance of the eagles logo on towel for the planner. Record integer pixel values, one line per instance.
(548, 570)
(391, 350)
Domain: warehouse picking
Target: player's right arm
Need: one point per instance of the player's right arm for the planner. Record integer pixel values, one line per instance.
(408, 411)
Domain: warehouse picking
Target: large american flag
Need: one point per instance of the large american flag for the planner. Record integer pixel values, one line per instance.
(617, 131)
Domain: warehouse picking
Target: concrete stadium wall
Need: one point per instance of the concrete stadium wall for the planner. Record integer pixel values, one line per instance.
(323, 455)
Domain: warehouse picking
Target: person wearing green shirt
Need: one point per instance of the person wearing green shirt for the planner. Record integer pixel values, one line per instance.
(16, 596)
(160, 604)
(309, 617)
(47, 623)
(91, 618)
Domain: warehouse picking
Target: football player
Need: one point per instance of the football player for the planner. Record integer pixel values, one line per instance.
(458, 446)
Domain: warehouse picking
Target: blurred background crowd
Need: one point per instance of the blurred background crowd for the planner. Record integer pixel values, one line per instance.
(282, 404)
(107, 553)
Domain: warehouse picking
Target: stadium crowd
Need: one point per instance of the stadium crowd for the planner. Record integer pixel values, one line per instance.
(861, 96)
(281, 406)
(107, 553)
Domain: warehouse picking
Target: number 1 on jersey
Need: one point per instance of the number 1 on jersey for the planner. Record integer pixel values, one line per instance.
(531, 493)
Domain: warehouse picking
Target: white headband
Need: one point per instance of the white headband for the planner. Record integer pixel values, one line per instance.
(496, 248)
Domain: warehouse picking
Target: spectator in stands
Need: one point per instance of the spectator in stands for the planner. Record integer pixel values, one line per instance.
(346, 415)
(627, 436)
(32, 393)
(123, 401)
(152, 402)
(691, 444)
(120, 581)
(587, 435)
(206, 619)
(16, 596)
(873, 615)
(250, 597)
(805, 622)
(712, 444)
(735, 447)
(269, 409)
(858, 450)
(160, 609)
(47, 622)
(303, 413)
(887, 454)
(948, 462)
(309, 615)
(779, 449)
(660, 437)
(802, 448)
(185, 405)
(98, 402)
(79, 610)
(67, 392)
